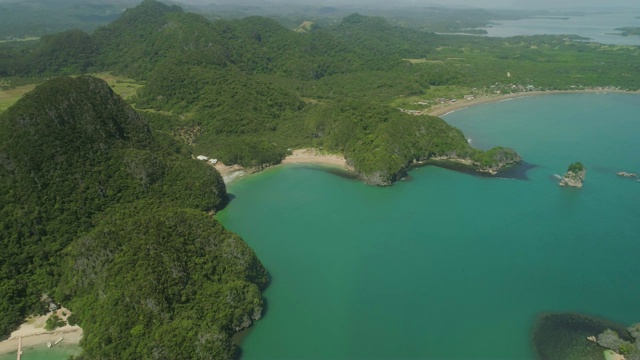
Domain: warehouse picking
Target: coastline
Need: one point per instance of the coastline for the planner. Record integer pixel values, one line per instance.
(297, 156)
(445, 109)
(33, 334)
(317, 157)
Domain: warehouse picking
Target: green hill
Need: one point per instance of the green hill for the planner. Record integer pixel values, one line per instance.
(251, 87)
(90, 194)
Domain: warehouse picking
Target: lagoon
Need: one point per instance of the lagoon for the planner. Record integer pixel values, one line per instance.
(598, 27)
(446, 265)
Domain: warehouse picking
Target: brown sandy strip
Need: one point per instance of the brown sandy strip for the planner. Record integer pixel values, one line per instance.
(444, 109)
(314, 156)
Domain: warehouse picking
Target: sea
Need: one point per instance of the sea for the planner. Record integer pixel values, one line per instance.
(448, 265)
(597, 26)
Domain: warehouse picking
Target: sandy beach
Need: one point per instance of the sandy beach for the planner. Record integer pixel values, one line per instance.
(298, 156)
(314, 156)
(443, 109)
(33, 333)
(229, 173)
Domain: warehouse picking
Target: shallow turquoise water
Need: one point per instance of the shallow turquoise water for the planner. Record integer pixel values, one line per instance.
(42, 352)
(448, 265)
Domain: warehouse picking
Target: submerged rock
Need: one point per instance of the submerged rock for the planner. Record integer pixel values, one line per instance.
(564, 336)
(610, 339)
(574, 176)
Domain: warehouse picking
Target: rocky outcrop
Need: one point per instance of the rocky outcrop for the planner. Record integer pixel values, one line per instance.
(378, 178)
(626, 174)
(574, 176)
(610, 339)
(565, 336)
(490, 162)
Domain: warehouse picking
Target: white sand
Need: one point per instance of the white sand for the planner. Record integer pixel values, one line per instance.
(298, 156)
(314, 156)
(443, 109)
(612, 355)
(229, 173)
(33, 333)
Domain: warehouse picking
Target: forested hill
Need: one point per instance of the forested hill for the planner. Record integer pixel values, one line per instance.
(247, 90)
(109, 217)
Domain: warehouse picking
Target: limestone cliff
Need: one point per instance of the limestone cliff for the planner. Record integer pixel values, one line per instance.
(574, 176)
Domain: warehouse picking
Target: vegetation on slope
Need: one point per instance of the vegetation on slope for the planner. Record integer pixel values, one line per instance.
(32, 18)
(245, 90)
(90, 197)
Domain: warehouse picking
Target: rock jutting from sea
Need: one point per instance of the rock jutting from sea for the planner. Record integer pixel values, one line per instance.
(574, 176)
(571, 336)
(626, 174)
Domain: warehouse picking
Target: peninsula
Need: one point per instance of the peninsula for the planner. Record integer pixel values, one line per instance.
(101, 182)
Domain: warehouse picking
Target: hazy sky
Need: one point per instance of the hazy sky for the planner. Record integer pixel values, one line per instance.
(523, 4)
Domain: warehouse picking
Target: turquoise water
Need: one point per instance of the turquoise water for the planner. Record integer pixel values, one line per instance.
(597, 26)
(448, 265)
(42, 352)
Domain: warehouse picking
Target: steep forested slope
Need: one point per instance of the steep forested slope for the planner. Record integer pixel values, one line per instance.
(89, 193)
(247, 90)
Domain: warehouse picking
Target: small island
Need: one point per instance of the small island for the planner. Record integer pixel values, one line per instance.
(574, 176)
(628, 31)
(627, 174)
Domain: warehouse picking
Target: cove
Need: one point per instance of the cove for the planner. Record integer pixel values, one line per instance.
(448, 265)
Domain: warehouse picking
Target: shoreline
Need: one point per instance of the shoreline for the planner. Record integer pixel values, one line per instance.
(446, 109)
(297, 156)
(33, 334)
(316, 157)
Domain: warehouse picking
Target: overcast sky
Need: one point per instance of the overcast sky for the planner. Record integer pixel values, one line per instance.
(522, 4)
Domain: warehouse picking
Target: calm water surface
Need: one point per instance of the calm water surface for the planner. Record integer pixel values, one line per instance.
(597, 26)
(42, 352)
(448, 265)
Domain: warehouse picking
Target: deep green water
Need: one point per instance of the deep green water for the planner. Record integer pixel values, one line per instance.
(448, 265)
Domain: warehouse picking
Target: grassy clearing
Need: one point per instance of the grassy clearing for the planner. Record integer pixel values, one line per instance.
(122, 86)
(423, 61)
(23, 39)
(9, 97)
(431, 97)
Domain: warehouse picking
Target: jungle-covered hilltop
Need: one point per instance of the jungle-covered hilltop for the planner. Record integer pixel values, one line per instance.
(245, 91)
(235, 89)
(104, 208)
(103, 214)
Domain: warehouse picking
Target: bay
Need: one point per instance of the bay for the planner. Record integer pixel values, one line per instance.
(448, 265)
(598, 27)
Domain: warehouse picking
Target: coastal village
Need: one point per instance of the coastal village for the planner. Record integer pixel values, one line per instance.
(495, 92)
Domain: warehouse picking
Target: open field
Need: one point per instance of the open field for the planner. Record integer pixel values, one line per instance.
(9, 97)
(33, 38)
(122, 86)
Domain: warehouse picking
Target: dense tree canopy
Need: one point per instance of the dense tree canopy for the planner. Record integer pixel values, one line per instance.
(91, 195)
(247, 89)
